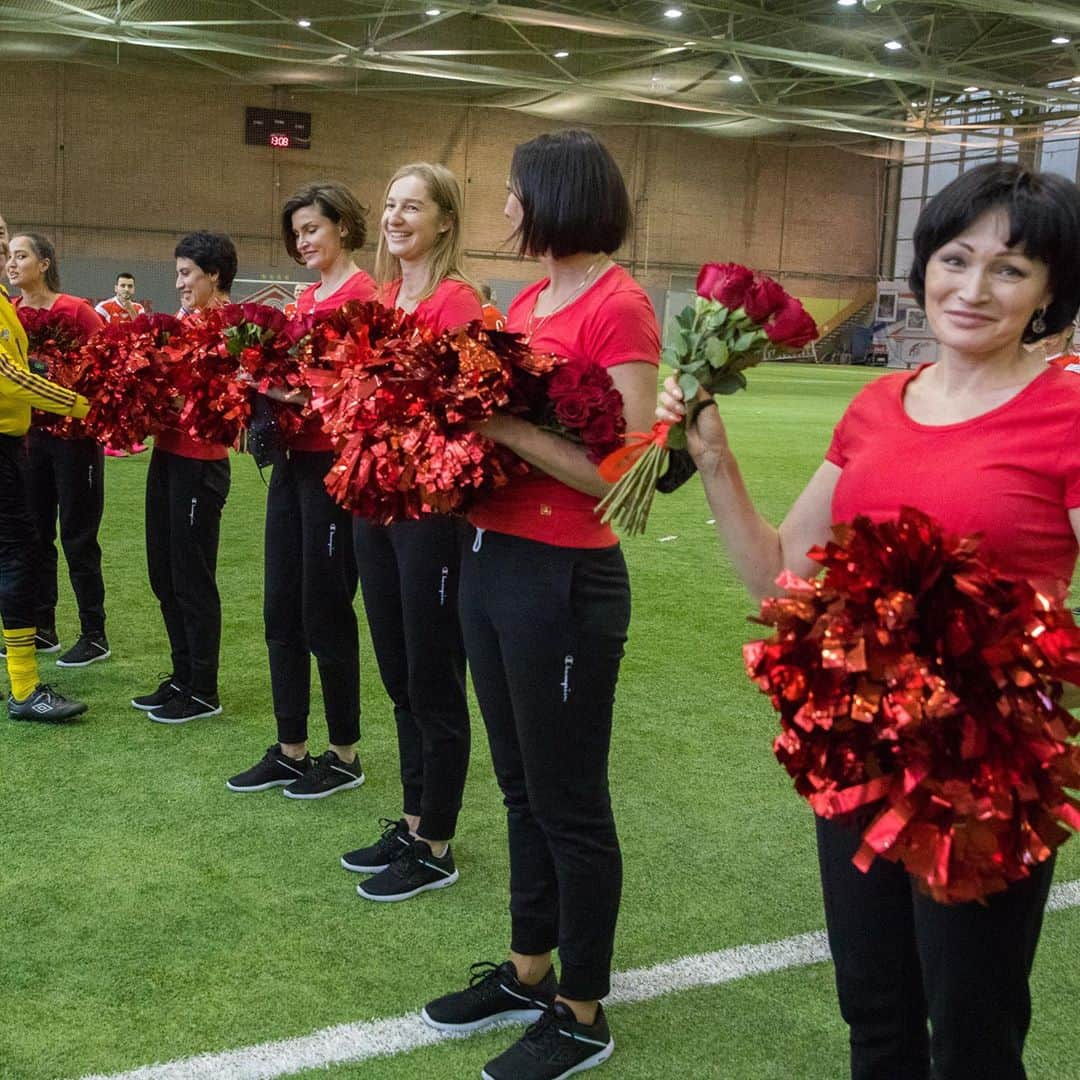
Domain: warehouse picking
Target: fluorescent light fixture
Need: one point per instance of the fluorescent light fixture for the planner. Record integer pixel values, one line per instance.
(846, 3)
(673, 13)
(1061, 39)
(562, 54)
(735, 78)
(305, 23)
(971, 89)
(893, 46)
(433, 11)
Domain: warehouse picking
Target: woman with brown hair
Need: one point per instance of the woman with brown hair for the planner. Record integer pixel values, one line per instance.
(409, 570)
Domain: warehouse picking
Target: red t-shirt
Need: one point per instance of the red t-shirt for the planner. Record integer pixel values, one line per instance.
(360, 287)
(1066, 361)
(612, 323)
(78, 311)
(1012, 473)
(453, 304)
(494, 319)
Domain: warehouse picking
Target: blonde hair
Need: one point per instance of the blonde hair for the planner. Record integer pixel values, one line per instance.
(448, 253)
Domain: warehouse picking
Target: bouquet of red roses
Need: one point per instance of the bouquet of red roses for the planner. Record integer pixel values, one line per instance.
(128, 378)
(401, 401)
(584, 406)
(920, 687)
(54, 343)
(737, 315)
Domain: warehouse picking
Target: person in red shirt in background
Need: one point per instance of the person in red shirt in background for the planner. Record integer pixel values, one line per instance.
(494, 319)
(310, 571)
(187, 485)
(1058, 349)
(985, 442)
(66, 476)
(545, 608)
(291, 309)
(409, 570)
(116, 309)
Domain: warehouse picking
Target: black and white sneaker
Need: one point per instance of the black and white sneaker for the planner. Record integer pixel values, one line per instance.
(89, 649)
(182, 707)
(494, 997)
(154, 700)
(46, 640)
(275, 770)
(378, 856)
(556, 1046)
(46, 706)
(414, 871)
(328, 773)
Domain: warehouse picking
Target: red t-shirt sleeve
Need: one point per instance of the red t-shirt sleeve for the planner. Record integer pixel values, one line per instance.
(623, 330)
(1070, 468)
(80, 312)
(452, 305)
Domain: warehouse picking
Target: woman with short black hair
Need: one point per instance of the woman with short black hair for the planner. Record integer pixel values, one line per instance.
(545, 606)
(985, 441)
(187, 484)
(309, 568)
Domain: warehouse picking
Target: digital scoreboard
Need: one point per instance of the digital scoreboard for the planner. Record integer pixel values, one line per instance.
(279, 128)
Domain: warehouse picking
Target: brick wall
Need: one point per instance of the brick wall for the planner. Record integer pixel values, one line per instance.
(115, 169)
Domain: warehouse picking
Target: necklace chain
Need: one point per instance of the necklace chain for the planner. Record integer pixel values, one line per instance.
(533, 324)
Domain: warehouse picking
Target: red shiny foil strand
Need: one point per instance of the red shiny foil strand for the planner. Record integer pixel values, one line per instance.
(919, 689)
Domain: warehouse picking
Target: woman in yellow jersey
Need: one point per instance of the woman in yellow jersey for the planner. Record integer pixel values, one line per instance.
(19, 390)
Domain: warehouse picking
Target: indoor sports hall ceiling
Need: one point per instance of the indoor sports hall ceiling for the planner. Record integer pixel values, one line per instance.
(852, 68)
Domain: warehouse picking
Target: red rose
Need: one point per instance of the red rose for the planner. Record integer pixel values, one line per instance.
(572, 411)
(763, 298)
(603, 435)
(791, 326)
(725, 282)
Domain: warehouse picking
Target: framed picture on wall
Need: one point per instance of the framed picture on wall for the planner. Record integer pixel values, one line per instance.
(915, 319)
(886, 307)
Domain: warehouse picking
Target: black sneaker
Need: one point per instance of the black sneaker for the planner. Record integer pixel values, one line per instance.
(378, 856)
(557, 1045)
(46, 640)
(494, 996)
(89, 649)
(165, 692)
(182, 707)
(46, 706)
(328, 773)
(275, 770)
(414, 871)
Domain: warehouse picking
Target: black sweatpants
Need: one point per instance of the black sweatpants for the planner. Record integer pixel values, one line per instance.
(18, 569)
(902, 960)
(544, 632)
(184, 500)
(409, 577)
(66, 479)
(309, 585)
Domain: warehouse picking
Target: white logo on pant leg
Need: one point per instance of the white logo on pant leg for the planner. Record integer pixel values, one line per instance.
(330, 542)
(191, 516)
(568, 663)
(90, 476)
(442, 586)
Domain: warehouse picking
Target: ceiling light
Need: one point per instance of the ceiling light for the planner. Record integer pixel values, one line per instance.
(689, 44)
(735, 78)
(305, 23)
(433, 11)
(971, 89)
(562, 54)
(1076, 78)
(1061, 39)
(846, 3)
(673, 13)
(892, 46)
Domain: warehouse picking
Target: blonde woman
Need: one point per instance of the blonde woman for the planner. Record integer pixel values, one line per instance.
(409, 570)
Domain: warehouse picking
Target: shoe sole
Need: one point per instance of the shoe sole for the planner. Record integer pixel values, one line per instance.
(258, 787)
(503, 1019)
(589, 1063)
(146, 708)
(442, 883)
(348, 786)
(50, 649)
(354, 869)
(86, 663)
(182, 719)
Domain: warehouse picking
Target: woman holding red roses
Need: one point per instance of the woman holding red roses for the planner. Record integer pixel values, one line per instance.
(984, 441)
(310, 571)
(66, 475)
(409, 569)
(545, 604)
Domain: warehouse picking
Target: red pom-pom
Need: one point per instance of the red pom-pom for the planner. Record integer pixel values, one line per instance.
(917, 683)
(54, 343)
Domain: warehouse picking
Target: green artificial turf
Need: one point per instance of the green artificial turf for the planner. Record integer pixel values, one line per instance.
(147, 913)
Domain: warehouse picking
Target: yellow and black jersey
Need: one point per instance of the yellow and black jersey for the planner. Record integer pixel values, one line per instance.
(20, 389)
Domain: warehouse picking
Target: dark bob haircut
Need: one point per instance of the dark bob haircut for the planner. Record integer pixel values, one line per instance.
(210, 252)
(572, 195)
(1044, 222)
(334, 201)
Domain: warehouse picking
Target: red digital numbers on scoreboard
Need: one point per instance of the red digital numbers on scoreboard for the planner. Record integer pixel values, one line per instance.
(279, 140)
(278, 128)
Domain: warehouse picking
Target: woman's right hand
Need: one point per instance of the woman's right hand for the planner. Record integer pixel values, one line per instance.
(705, 434)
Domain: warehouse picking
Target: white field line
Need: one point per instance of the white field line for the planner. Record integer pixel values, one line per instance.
(350, 1043)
